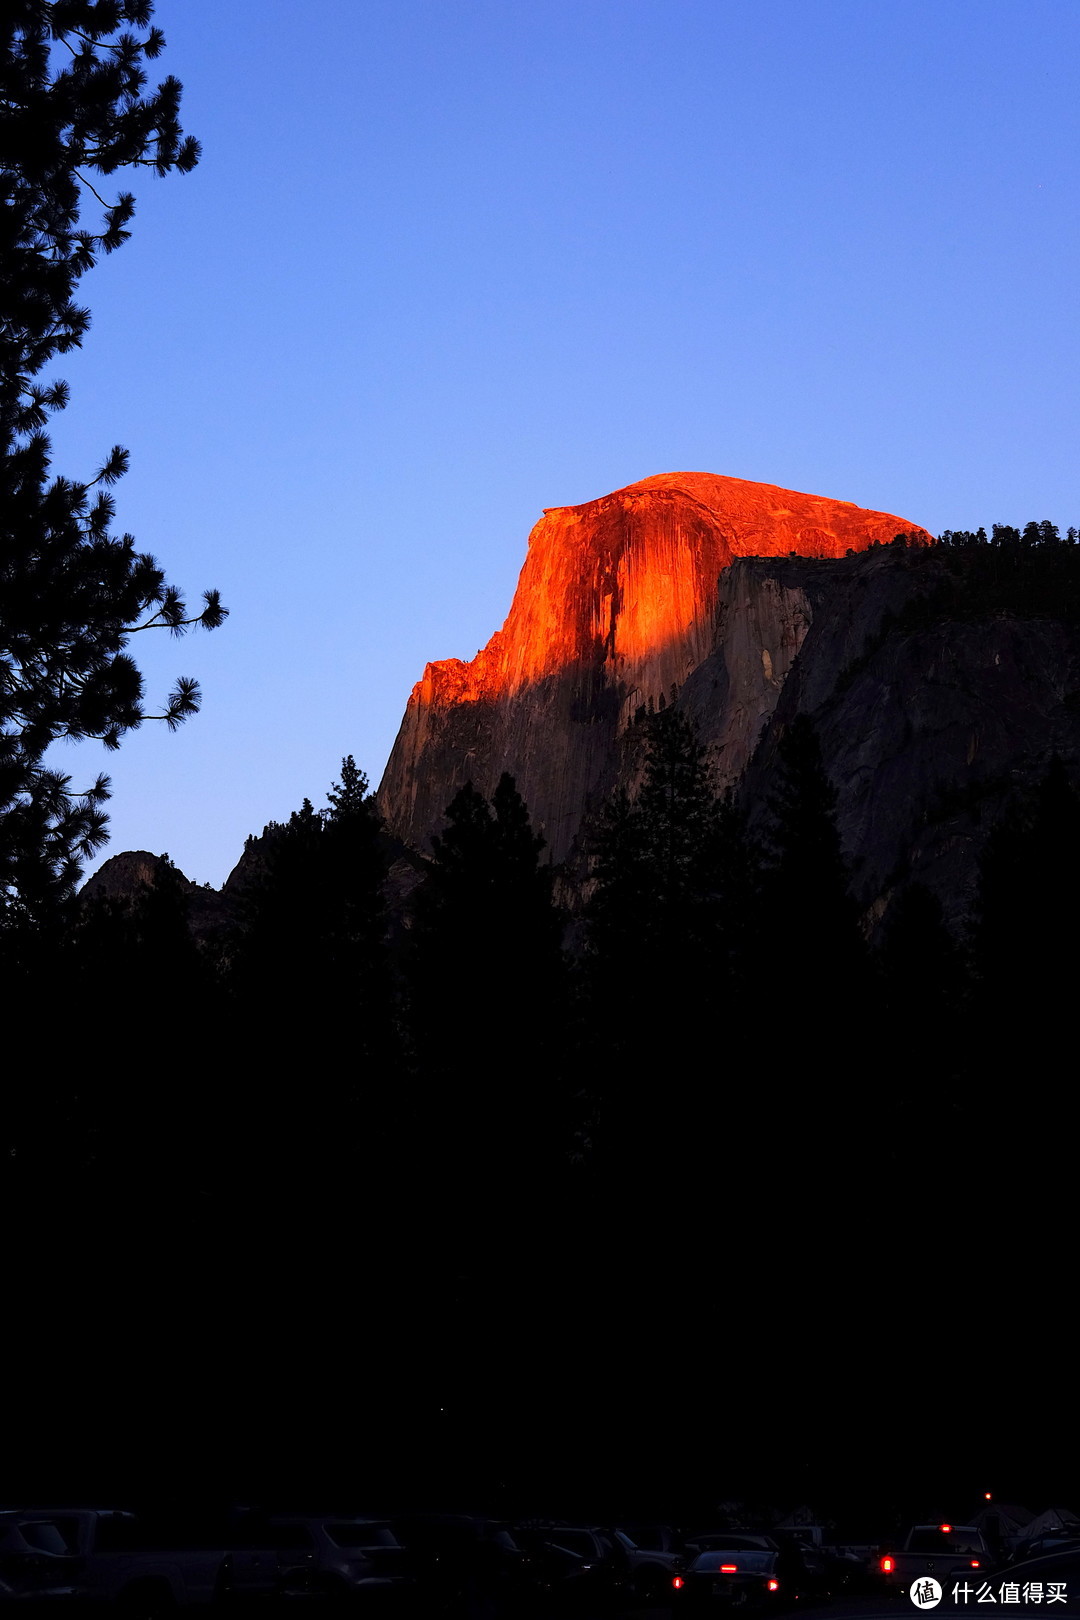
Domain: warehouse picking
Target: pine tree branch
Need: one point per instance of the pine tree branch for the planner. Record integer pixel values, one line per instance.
(92, 188)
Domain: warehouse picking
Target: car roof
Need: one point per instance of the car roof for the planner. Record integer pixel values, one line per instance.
(54, 1507)
(326, 1518)
(1062, 1560)
(972, 1529)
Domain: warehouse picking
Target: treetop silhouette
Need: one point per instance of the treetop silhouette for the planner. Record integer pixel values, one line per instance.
(74, 108)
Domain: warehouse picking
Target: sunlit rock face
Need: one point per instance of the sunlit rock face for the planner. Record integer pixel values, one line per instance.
(619, 601)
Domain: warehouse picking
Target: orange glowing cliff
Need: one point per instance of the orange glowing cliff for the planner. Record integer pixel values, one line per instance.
(618, 601)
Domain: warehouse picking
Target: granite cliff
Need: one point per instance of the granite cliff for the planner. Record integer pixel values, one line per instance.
(619, 602)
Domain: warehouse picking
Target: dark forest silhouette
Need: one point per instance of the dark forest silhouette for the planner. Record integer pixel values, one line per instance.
(408, 1180)
(684, 1135)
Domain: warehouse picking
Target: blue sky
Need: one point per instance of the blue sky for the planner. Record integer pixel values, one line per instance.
(444, 264)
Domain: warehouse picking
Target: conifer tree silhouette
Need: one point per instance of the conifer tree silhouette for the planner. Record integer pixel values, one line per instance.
(313, 995)
(814, 983)
(657, 858)
(1024, 939)
(923, 992)
(488, 986)
(1029, 882)
(812, 917)
(74, 109)
(670, 930)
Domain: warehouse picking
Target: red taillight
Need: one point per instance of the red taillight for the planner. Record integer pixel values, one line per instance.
(974, 1563)
(728, 1569)
(886, 1566)
(945, 1528)
(677, 1582)
(774, 1586)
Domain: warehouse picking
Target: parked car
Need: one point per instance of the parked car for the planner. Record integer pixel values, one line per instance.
(263, 1556)
(322, 1557)
(653, 1553)
(699, 1541)
(803, 1567)
(743, 1573)
(578, 1566)
(466, 1565)
(146, 1568)
(940, 1550)
(36, 1563)
(1051, 1541)
(1059, 1569)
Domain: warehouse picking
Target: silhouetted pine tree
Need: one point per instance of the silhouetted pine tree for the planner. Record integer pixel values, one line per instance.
(670, 927)
(350, 796)
(122, 1122)
(814, 938)
(1029, 887)
(922, 969)
(313, 999)
(1022, 1038)
(659, 865)
(623, 882)
(315, 914)
(923, 987)
(488, 989)
(157, 1118)
(815, 1009)
(1020, 1079)
(75, 104)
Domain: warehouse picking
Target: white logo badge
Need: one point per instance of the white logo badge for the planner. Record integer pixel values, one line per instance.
(925, 1593)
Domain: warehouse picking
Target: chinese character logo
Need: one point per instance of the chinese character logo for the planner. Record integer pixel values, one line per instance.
(925, 1593)
(1008, 1592)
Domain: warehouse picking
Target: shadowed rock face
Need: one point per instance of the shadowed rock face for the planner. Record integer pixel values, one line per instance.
(619, 601)
(927, 731)
(123, 877)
